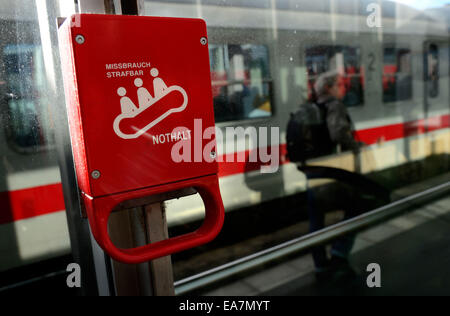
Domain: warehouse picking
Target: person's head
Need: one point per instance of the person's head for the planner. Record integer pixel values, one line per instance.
(329, 84)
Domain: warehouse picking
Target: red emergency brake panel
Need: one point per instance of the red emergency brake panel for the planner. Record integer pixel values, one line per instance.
(141, 84)
(139, 103)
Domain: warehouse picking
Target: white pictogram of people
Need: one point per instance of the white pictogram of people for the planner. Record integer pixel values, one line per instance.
(145, 99)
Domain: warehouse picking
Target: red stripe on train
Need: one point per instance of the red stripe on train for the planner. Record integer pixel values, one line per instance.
(27, 203)
(368, 136)
(371, 136)
(22, 204)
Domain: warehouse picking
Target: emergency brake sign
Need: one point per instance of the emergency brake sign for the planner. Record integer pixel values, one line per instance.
(136, 87)
(141, 82)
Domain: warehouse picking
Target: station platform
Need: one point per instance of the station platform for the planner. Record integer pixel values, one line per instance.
(412, 250)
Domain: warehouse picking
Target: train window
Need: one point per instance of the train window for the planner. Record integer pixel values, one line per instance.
(346, 60)
(433, 71)
(242, 86)
(22, 103)
(397, 75)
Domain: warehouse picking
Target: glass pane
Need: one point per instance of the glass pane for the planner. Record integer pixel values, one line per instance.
(357, 89)
(25, 86)
(271, 60)
(33, 226)
(27, 111)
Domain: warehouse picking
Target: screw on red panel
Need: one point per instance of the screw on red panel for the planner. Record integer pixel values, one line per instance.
(80, 39)
(96, 174)
(204, 40)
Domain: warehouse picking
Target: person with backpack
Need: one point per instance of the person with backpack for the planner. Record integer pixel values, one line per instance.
(315, 130)
(330, 92)
(318, 128)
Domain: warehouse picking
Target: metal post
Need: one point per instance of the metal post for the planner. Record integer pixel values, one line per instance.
(95, 265)
(160, 269)
(77, 226)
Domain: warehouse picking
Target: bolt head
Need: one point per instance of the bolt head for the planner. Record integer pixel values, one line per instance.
(213, 155)
(96, 174)
(80, 39)
(204, 40)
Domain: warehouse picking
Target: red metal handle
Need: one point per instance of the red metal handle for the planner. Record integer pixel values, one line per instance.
(99, 210)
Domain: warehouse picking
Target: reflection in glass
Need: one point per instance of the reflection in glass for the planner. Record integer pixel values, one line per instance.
(433, 71)
(346, 60)
(242, 87)
(397, 76)
(24, 81)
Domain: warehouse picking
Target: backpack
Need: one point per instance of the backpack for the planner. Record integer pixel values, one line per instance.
(307, 133)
